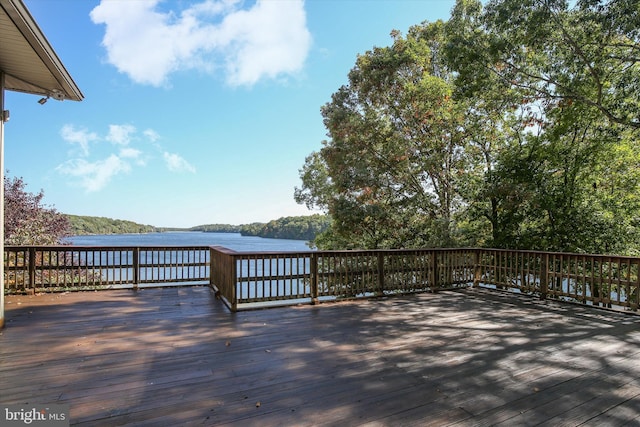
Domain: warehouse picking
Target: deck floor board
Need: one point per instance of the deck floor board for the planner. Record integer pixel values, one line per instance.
(176, 356)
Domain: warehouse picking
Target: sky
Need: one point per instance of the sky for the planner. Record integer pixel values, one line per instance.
(195, 111)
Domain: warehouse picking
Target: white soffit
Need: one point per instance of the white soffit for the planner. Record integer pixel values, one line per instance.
(29, 62)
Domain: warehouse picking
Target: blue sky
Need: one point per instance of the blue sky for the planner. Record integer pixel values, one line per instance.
(195, 111)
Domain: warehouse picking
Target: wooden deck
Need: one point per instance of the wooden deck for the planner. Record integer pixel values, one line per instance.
(176, 356)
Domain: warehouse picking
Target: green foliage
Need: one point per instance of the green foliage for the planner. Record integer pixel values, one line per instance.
(296, 228)
(81, 225)
(587, 54)
(253, 229)
(27, 221)
(388, 172)
(293, 227)
(216, 228)
(512, 126)
(571, 77)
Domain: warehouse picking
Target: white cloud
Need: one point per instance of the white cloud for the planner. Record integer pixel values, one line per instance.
(269, 39)
(151, 135)
(94, 175)
(175, 163)
(120, 134)
(82, 137)
(130, 153)
(133, 154)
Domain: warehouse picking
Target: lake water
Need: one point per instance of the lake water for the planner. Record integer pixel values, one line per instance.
(117, 266)
(234, 241)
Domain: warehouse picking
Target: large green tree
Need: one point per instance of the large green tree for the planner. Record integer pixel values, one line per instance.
(511, 125)
(572, 76)
(389, 171)
(587, 53)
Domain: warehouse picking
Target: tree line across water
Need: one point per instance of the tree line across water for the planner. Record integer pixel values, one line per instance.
(82, 225)
(292, 227)
(29, 222)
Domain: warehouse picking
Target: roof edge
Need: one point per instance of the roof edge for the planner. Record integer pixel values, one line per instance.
(32, 33)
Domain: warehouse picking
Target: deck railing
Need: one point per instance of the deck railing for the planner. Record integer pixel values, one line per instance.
(246, 279)
(56, 268)
(601, 280)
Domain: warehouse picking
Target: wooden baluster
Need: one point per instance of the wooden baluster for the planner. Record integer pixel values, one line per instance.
(477, 268)
(136, 268)
(544, 275)
(380, 273)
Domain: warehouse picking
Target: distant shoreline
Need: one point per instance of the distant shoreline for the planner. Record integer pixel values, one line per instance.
(304, 228)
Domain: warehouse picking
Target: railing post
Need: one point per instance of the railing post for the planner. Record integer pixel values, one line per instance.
(234, 283)
(544, 275)
(380, 273)
(32, 268)
(477, 268)
(314, 277)
(136, 268)
(211, 267)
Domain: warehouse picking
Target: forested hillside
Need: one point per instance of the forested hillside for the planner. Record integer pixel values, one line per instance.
(292, 227)
(81, 225)
(216, 228)
(296, 228)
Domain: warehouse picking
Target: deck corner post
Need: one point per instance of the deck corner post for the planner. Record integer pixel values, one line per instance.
(544, 275)
(234, 284)
(380, 273)
(216, 288)
(211, 267)
(477, 268)
(136, 268)
(314, 278)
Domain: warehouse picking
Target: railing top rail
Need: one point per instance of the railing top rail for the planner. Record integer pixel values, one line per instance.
(252, 253)
(103, 247)
(578, 254)
(348, 251)
(223, 249)
(443, 250)
(310, 251)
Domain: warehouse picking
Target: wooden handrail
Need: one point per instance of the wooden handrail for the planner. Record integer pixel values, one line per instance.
(245, 278)
(67, 267)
